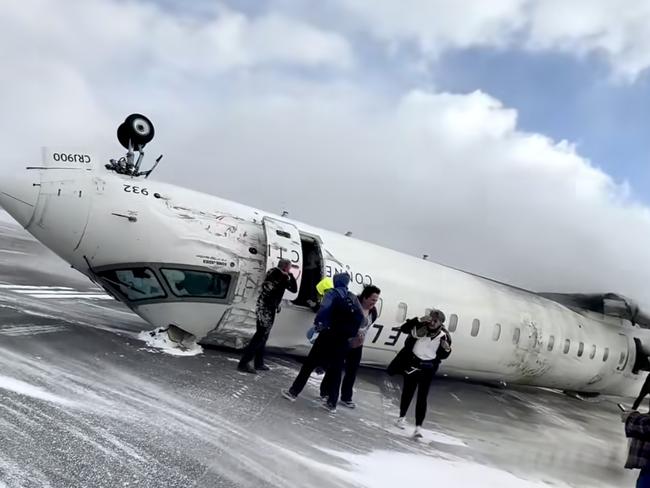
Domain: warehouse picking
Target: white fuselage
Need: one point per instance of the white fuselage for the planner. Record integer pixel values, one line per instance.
(107, 225)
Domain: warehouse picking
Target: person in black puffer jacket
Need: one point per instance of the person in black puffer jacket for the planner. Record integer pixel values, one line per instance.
(277, 281)
(427, 344)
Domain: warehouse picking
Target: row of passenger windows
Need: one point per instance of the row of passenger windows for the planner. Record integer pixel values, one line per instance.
(516, 336)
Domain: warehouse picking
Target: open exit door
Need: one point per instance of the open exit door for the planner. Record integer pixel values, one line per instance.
(283, 241)
(624, 355)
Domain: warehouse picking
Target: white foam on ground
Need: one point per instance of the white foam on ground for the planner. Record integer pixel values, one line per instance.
(387, 469)
(30, 329)
(439, 437)
(71, 296)
(159, 339)
(7, 251)
(25, 291)
(428, 436)
(38, 314)
(26, 389)
(8, 286)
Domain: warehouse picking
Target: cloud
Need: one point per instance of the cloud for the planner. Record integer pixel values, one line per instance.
(449, 175)
(618, 32)
(446, 174)
(437, 25)
(108, 37)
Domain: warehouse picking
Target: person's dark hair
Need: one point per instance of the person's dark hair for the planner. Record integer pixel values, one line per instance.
(368, 291)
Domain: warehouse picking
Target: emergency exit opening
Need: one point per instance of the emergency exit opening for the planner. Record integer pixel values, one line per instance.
(642, 361)
(312, 271)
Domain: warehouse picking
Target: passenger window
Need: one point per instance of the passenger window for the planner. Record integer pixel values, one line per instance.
(453, 323)
(401, 312)
(593, 352)
(581, 349)
(283, 233)
(567, 346)
(621, 359)
(476, 324)
(197, 284)
(551, 343)
(516, 335)
(606, 355)
(496, 333)
(134, 284)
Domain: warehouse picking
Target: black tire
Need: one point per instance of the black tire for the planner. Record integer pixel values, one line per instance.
(137, 129)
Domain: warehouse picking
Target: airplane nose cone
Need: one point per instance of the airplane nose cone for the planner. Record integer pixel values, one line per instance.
(18, 194)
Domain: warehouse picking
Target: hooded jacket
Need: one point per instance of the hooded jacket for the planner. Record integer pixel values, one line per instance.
(340, 312)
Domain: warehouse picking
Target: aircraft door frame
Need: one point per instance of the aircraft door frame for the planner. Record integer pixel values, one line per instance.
(625, 341)
(283, 241)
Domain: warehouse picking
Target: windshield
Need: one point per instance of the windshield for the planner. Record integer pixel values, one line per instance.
(189, 283)
(134, 283)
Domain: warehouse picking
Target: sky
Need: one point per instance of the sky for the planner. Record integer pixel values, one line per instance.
(507, 138)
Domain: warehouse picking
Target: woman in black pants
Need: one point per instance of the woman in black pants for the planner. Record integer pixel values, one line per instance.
(426, 345)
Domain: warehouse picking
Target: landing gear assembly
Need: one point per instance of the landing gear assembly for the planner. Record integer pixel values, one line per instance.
(134, 134)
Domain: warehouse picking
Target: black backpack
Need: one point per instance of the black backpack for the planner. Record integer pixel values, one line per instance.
(347, 315)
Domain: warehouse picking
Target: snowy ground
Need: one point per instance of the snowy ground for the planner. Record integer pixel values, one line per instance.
(85, 403)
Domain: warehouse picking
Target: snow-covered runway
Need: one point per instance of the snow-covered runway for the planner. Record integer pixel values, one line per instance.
(85, 403)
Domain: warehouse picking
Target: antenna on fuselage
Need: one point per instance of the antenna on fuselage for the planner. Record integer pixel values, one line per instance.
(134, 134)
(147, 173)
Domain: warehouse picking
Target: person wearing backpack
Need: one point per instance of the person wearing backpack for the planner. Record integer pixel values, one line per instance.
(337, 321)
(427, 344)
(368, 299)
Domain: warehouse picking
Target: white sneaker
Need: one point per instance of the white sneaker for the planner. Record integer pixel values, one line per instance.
(401, 423)
(329, 407)
(288, 395)
(418, 433)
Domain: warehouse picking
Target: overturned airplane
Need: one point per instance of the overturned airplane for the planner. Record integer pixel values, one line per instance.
(193, 263)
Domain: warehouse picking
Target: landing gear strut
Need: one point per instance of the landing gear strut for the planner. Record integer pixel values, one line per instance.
(134, 134)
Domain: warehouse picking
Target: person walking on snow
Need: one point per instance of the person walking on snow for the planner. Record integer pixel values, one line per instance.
(368, 299)
(337, 321)
(427, 344)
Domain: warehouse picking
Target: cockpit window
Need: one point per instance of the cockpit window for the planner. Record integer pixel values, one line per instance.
(134, 283)
(197, 284)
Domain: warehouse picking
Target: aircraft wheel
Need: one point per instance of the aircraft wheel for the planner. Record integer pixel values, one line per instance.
(137, 129)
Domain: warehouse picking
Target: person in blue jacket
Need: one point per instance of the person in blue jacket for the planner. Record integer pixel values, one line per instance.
(337, 321)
